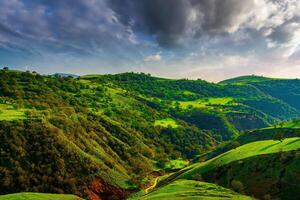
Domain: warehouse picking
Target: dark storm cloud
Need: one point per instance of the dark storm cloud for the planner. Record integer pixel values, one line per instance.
(285, 32)
(172, 20)
(221, 15)
(167, 20)
(99, 24)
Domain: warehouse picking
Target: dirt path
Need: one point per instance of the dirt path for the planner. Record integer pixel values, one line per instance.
(147, 190)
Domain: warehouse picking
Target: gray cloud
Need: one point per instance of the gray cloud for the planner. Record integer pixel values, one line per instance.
(79, 27)
(175, 21)
(126, 33)
(285, 32)
(90, 25)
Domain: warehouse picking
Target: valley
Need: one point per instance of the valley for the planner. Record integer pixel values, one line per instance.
(135, 136)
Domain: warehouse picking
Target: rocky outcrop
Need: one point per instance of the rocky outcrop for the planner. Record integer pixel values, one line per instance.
(99, 190)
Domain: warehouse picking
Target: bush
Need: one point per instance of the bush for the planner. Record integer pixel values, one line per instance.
(237, 186)
(197, 177)
(234, 145)
(278, 136)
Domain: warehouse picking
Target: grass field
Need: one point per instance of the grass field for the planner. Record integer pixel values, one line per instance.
(168, 122)
(192, 190)
(38, 196)
(245, 151)
(204, 103)
(9, 113)
(176, 164)
(290, 124)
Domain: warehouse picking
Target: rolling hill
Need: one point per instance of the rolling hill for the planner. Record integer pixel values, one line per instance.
(38, 196)
(272, 166)
(107, 136)
(246, 79)
(192, 190)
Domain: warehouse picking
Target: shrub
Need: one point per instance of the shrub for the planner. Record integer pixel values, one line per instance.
(197, 177)
(238, 186)
(278, 136)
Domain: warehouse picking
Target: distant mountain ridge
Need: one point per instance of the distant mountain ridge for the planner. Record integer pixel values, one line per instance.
(246, 79)
(64, 75)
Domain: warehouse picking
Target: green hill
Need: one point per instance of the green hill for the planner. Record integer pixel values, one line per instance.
(242, 152)
(106, 136)
(192, 190)
(246, 79)
(38, 196)
(245, 106)
(63, 134)
(270, 164)
(287, 129)
(286, 90)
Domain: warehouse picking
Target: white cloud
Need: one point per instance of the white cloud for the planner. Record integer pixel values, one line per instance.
(153, 58)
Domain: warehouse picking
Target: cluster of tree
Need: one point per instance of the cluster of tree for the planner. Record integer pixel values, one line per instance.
(33, 158)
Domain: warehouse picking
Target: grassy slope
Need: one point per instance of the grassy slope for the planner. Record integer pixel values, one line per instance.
(207, 102)
(272, 166)
(176, 164)
(288, 129)
(295, 124)
(8, 112)
(166, 123)
(192, 190)
(268, 176)
(242, 152)
(38, 196)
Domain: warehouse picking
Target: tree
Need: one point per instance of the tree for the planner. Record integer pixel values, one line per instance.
(197, 177)
(234, 145)
(278, 136)
(237, 186)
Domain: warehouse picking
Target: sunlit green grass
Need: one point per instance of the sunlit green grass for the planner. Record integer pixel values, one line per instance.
(9, 113)
(188, 93)
(176, 164)
(290, 124)
(204, 103)
(38, 196)
(285, 125)
(168, 122)
(192, 190)
(242, 152)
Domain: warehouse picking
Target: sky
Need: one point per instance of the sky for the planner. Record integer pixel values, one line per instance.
(208, 39)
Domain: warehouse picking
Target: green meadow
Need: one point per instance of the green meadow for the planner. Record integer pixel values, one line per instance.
(207, 102)
(9, 113)
(176, 164)
(165, 123)
(38, 196)
(289, 124)
(192, 190)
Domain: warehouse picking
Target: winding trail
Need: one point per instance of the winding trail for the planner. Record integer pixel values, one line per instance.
(147, 190)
